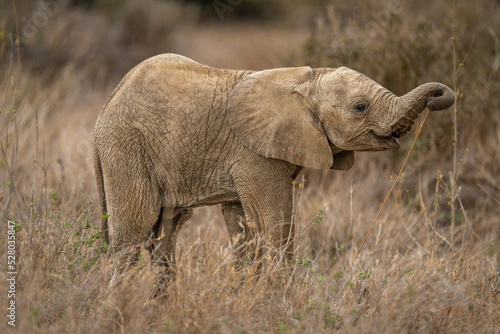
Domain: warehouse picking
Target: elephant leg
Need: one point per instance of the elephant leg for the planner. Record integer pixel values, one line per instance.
(131, 219)
(266, 198)
(239, 232)
(165, 235)
(132, 195)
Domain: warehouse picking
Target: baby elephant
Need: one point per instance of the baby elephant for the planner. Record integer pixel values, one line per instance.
(176, 135)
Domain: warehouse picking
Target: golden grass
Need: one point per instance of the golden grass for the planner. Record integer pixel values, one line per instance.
(415, 273)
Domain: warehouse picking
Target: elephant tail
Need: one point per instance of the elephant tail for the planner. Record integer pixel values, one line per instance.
(102, 198)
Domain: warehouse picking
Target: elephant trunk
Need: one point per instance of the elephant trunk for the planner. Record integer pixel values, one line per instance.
(432, 95)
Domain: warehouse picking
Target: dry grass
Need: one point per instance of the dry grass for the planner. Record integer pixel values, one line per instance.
(417, 271)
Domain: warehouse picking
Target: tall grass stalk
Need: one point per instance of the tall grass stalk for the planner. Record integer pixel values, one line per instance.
(392, 187)
(9, 111)
(33, 181)
(457, 165)
(453, 175)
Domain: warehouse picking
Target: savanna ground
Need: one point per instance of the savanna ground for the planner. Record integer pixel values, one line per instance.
(430, 264)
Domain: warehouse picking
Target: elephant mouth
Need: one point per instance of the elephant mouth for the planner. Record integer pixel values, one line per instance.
(334, 148)
(388, 141)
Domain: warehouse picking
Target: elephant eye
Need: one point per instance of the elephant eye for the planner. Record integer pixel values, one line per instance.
(361, 107)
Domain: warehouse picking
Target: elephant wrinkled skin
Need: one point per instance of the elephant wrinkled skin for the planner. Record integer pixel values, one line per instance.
(175, 135)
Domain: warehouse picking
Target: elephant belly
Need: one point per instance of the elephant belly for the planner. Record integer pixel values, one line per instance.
(210, 192)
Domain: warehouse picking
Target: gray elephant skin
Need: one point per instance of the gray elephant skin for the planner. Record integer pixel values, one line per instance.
(175, 135)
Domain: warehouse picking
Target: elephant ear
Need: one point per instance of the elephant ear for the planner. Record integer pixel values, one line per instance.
(269, 111)
(343, 160)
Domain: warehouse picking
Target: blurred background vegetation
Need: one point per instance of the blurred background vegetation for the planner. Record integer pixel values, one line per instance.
(61, 59)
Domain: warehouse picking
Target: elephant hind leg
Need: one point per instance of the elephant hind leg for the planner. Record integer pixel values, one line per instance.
(132, 217)
(132, 193)
(165, 235)
(134, 209)
(128, 233)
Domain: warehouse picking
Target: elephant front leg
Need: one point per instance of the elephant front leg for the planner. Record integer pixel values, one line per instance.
(266, 198)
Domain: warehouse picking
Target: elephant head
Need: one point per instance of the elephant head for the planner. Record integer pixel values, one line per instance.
(318, 117)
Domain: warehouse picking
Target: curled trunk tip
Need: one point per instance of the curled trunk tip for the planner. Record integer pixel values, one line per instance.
(432, 95)
(441, 98)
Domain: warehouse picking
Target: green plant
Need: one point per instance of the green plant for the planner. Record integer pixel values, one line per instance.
(303, 262)
(363, 275)
(317, 219)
